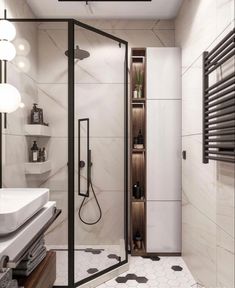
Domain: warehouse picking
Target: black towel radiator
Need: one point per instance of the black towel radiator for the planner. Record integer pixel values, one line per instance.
(219, 103)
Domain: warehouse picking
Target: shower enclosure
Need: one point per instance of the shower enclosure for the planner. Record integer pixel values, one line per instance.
(83, 95)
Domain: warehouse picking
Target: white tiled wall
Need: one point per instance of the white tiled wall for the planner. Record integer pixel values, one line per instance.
(208, 189)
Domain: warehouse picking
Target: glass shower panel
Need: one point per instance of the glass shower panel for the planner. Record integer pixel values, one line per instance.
(40, 73)
(99, 154)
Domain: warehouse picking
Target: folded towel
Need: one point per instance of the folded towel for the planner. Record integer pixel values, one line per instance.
(5, 278)
(12, 284)
(26, 264)
(31, 266)
(33, 250)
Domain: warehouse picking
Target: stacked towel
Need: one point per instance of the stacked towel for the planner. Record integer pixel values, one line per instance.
(12, 284)
(36, 253)
(6, 279)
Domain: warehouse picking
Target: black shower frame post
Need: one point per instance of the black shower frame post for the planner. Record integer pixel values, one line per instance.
(71, 147)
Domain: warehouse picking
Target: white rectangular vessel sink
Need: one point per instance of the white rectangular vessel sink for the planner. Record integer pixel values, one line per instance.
(17, 205)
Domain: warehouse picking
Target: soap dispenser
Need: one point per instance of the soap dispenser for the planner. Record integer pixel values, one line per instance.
(35, 114)
(34, 152)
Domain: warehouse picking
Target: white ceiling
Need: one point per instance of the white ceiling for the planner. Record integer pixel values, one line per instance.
(156, 9)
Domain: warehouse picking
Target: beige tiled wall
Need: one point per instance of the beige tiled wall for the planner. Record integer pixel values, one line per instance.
(208, 189)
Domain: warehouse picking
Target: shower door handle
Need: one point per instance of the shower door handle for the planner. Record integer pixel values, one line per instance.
(82, 163)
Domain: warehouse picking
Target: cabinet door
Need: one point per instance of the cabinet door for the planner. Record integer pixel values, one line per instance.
(164, 150)
(163, 226)
(163, 73)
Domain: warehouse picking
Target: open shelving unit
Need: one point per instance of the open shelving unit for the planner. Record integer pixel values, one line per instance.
(138, 156)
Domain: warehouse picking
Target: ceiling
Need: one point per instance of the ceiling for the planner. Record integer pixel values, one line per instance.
(156, 9)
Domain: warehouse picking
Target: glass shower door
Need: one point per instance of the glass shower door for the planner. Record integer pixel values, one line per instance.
(100, 154)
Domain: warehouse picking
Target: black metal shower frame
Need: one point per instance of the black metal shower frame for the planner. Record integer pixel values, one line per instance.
(71, 146)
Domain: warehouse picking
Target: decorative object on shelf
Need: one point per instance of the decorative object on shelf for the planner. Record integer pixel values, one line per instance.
(137, 191)
(135, 94)
(36, 115)
(138, 141)
(138, 241)
(38, 154)
(10, 98)
(34, 152)
(139, 79)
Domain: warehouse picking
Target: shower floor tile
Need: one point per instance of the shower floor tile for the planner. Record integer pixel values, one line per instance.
(88, 261)
(162, 272)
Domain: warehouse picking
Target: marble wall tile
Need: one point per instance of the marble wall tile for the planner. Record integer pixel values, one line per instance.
(93, 99)
(108, 162)
(18, 9)
(199, 244)
(225, 259)
(208, 189)
(195, 18)
(54, 108)
(225, 199)
(192, 100)
(225, 14)
(199, 180)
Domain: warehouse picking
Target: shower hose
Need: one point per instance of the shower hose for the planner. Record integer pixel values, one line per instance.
(82, 204)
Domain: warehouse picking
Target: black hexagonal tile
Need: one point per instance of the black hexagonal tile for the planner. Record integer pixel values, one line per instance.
(114, 256)
(138, 279)
(92, 270)
(177, 268)
(142, 280)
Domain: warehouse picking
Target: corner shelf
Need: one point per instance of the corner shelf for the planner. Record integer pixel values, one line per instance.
(138, 100)
(137, 200)
(37, 130)
(138, 150)
(37, 168)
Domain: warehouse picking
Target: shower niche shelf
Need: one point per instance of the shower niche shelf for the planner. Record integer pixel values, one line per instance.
(138, 155)
(37, 168)
(37, 130)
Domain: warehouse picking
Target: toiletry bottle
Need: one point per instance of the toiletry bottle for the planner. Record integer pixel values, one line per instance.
(138, 240)
(135, 94)
(34, 152)
(135, 142)
(35, 115)
(40, 156)
(137, 190)
(44, 154)
(41, 121)
(140, 138)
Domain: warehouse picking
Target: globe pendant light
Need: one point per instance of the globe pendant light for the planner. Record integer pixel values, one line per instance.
(7, 50)
(7, 30)
(9, 98)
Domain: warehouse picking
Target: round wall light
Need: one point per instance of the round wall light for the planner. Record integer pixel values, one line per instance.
(10, 98)
(7, 30)
(7, 50)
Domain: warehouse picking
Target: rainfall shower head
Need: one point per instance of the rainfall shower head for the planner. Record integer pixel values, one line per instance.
(79, 53)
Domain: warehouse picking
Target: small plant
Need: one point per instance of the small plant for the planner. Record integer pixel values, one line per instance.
(139, 80)
(139, 77)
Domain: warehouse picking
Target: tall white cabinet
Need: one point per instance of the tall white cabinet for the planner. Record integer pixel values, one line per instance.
(163, 150)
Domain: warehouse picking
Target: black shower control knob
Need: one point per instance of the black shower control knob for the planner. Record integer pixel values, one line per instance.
(82, 164)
